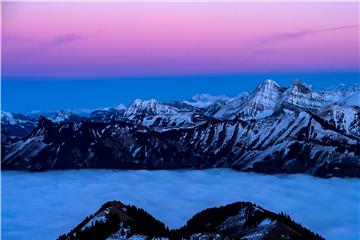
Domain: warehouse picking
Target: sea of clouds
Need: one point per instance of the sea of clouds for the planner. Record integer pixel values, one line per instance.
(45, 205)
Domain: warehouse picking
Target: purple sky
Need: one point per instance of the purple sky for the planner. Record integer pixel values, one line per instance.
(142, 39)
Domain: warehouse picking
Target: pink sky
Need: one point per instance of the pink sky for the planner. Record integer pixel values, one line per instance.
(178, 39)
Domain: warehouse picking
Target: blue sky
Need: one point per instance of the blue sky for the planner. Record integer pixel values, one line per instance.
(24, 94)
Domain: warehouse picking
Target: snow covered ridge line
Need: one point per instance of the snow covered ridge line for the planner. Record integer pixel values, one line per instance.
(267, 97)
(272, 130)
(240, 220)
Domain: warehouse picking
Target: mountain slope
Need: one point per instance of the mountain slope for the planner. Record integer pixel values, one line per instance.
(272, 130)
(115, 220)
(262, 101)
(155, 114)
(293, 143)
(15, 126)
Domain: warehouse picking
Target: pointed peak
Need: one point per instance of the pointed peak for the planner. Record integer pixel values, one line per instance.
(268, 83)
(299, 86)
(110, 204)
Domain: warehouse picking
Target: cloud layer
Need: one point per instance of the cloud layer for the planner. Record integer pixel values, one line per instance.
(45, 205)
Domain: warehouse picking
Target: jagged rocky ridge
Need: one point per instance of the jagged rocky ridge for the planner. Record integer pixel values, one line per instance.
(272, 130)
(240, 220)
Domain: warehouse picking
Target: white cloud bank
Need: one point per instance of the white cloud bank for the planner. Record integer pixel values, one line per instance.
(45, 205)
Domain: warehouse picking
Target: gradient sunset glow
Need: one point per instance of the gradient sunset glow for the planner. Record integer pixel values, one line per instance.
(75, 55)
(127, 39)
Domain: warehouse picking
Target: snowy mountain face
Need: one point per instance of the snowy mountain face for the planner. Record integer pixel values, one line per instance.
(346, 119)
(271, 130)
(241, 220)
(229, 110)
(300, 96)
(107, 115)
(148, 108)
(261, 102)
(269, 97)
(214, 107)
(352, 99)
(265, 97)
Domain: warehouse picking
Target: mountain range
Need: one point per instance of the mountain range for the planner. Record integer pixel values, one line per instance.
(273, 129)
(240, 220)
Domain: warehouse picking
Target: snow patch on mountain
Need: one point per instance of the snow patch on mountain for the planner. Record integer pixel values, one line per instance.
(63, 116)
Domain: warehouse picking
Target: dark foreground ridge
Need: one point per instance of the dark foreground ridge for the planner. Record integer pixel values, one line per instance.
(240, 220)
(272, 130)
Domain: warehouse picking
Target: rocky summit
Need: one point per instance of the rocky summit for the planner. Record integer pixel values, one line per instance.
(240, 220)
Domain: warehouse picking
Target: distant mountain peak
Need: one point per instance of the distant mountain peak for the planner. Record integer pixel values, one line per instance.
(6, 115)
(63, 115)
(300, 96)
(145, 102)
(204, 100)
(120, 107)
(148, 108)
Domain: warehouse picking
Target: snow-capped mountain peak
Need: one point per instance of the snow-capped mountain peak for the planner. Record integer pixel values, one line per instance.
(269, 83)
(266, 94)
(262, 100)
(298, 95)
